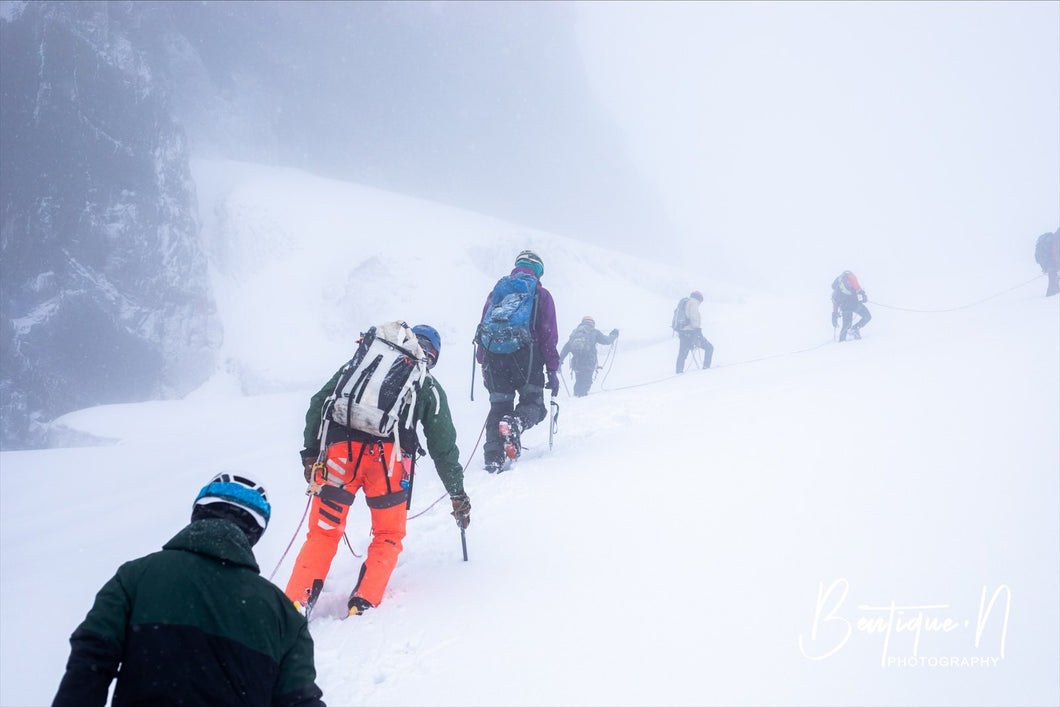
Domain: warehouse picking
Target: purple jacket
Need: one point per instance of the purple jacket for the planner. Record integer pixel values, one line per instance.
(543, 328)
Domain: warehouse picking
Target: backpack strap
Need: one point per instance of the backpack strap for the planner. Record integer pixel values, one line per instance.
(534, 312)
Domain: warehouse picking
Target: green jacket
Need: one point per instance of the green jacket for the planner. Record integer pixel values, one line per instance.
(192, 624)
(431, 412)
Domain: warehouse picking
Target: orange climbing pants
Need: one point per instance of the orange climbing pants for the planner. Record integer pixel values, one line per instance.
(351, 466)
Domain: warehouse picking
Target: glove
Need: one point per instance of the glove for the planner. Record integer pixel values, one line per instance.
(862, 297)
(307, 468)
(553, 383)
(835, 319)
(461, 510)
(614, 333)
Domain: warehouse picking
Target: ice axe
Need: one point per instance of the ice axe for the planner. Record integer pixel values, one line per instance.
(553, 425)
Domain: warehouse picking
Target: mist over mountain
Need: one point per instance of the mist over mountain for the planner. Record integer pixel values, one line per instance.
(478, 105)
(105, 296)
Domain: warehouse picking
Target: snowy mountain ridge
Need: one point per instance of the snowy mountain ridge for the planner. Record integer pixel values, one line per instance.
(677, 544)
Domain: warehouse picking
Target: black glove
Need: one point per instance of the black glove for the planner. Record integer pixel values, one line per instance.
(835, 319)
(862, 297)
(553, 383)
(307, 468)
(614, 333)
(461, 510)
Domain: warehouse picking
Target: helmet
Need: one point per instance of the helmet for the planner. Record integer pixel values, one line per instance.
(530, 259)
(697, 294)
(235, 498)
(430, 342)
(589, 318)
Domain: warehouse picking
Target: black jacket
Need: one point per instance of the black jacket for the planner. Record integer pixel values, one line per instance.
(193, 624)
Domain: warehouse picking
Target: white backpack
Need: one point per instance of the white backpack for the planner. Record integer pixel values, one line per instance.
(380, 382)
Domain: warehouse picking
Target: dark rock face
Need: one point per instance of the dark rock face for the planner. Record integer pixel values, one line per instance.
(104, 294)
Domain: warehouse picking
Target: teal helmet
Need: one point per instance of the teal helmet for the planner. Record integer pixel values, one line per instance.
(530, 259)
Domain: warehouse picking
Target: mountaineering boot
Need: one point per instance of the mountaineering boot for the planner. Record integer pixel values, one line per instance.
(855, 333)
(306, 606)
(510, 428)
(358, 605)
(494, 467)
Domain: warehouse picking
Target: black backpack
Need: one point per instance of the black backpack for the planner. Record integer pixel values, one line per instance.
(582, 340)
(680, 319)
(1042, 249)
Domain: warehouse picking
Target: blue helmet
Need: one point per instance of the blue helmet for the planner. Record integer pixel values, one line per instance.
(237, 498)
(430, 342)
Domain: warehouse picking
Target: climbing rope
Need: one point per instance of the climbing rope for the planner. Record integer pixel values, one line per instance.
(304, 514)
(344, 537)
(609, 361)
(963, 306)
(724, 365)
(817, 346)
(466, 465)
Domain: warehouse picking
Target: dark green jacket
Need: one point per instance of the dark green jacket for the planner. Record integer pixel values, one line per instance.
(193, 624)
(432, 412)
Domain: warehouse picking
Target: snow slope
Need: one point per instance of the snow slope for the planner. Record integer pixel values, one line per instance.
(731, 536)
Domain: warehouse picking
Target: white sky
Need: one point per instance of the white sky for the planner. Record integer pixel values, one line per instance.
(789, 140)
(668, 551)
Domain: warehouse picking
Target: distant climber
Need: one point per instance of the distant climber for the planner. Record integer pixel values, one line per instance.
(848, 299)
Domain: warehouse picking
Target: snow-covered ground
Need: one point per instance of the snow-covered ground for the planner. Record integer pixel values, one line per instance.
(807, 523)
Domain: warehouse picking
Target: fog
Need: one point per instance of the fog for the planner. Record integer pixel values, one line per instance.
(789, 141)
(479, 105)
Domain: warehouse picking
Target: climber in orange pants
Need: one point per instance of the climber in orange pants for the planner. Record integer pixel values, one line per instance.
(355, 459)
(327, 521)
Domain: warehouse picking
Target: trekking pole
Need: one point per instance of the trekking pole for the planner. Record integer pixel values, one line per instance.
(553, 426)
(565, 388)
(474, 360)
(463, 543)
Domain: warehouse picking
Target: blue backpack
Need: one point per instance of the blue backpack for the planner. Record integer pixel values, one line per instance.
(505, 327)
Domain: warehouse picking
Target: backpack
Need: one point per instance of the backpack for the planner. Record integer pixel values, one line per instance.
(680, 319)
(582, 340)
(380, 382)
(505, 326)
(842, 287)
(1042, 248)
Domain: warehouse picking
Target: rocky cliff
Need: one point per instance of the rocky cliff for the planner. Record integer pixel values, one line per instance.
(104, 294)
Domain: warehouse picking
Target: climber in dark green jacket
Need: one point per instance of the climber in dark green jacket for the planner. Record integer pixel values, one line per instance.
(339, 460)
(195, 624)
